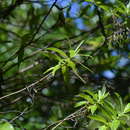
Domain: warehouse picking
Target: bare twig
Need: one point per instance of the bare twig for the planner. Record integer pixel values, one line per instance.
(34, 34)
(21, 90)
(70, 117)
(25, 110)
(28, 67)
(39, 27)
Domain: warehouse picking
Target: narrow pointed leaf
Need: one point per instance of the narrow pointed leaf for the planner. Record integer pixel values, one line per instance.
(103, 127)
(114, 124)
(93, 108)
(55, 68)
(60, 52)
(98, 118)
(127, 108)
(86, 97)
(6, 126)
(77, 48)
(81, 103)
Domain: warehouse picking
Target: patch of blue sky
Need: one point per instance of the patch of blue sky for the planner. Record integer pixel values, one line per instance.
(79, 23)
(84, 4)
(114, 53)
(74, 11)
(108, 74)
(61, 3)
(129, 46)
(122, 62)
(49, 2)
(91, 9)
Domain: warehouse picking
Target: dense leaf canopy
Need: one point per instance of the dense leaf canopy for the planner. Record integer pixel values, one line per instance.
(51, 50)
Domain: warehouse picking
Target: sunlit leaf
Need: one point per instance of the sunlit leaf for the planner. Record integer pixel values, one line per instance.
(64, 70)
(89, 0)
(62, 53)
(81, 103)
(77, 48)
(52, 56)
(98, 118)
(127, 108)
(72, 53)
(103, 127)
(94, 95)
(93, 108)
(6, 126)
(114, 124)
(48, 70)
(55, 68)
(120, 101)
(86, 97)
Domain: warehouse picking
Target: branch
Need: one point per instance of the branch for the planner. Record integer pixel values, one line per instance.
(35, 33)
(101, 25)
(40, 25)
(70, 117)
(26, 88)
(50, 44)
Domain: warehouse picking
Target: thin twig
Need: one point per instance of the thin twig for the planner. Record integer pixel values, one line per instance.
(40, 25)
(34, 35)
(19, 115)
(70, 117)
(21, 90)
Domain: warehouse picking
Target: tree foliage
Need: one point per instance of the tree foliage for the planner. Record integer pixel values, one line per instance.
(64, 64)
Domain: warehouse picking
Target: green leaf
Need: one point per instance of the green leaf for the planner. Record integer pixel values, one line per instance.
(121, 7)
(58, 51)
(86, 97)
(103, 127)
(77, 48)
(55, 68)
(48, 70)
(52, 56)
(120, 101)
(72, 65)
(108, 107)
(114, 124)
(91, 93)
(72, 53)
(128, 8)
(89, 0)
(6, 126)
(127, 108)
(98, 118)
(105, 112)
(102, 94)
(85, 67)
(93, 108)
(86, 55)
(81, 103)
(105, 7)
(65, 72)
